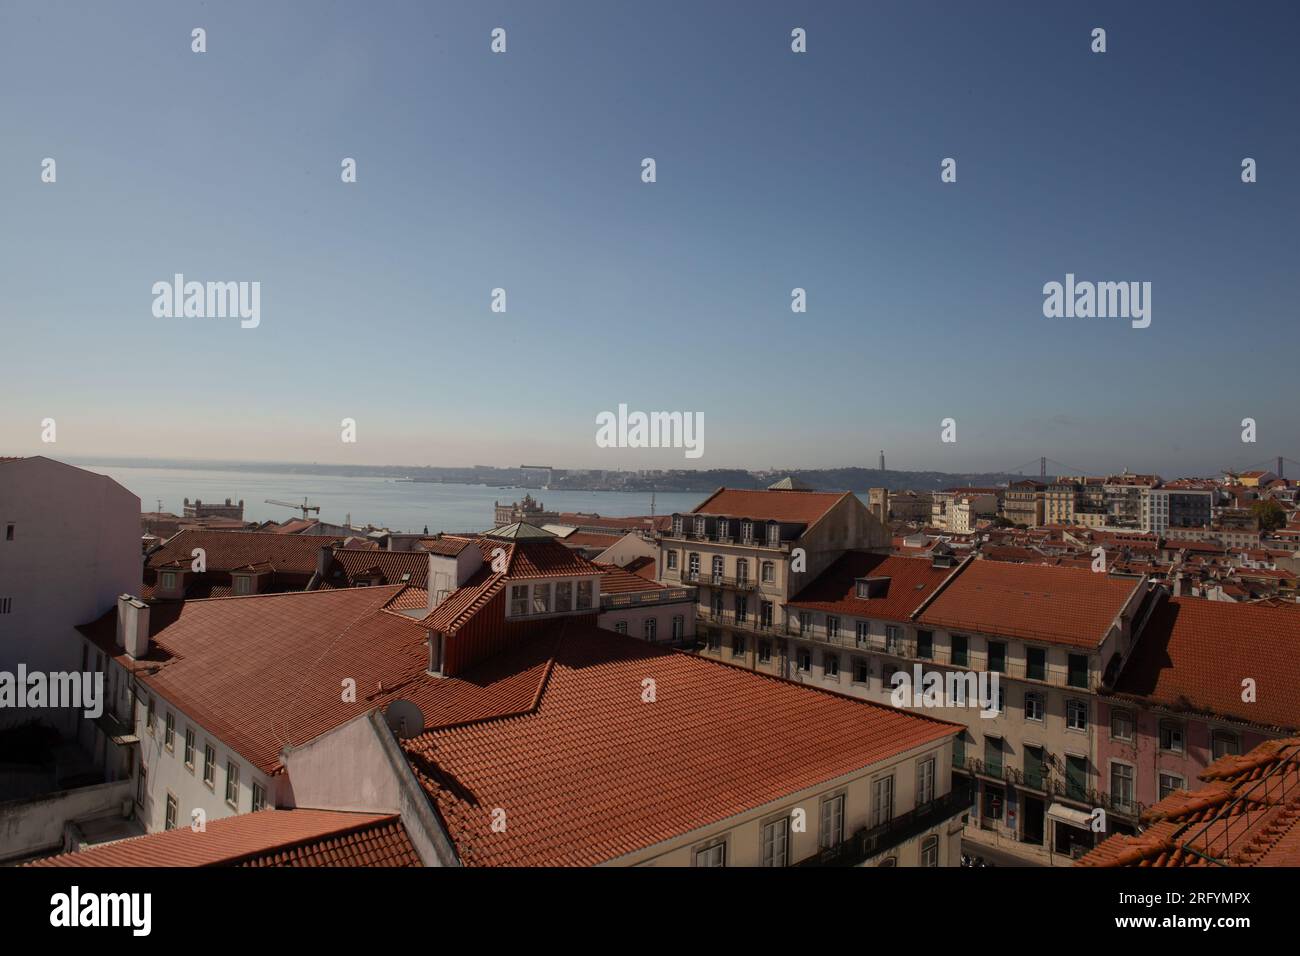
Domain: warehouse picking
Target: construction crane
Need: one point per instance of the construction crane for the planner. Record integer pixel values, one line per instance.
(304, 507)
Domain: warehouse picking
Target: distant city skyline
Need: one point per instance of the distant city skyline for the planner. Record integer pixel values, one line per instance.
(776, 171)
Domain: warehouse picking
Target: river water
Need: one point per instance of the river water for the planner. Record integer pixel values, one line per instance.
(397, 505)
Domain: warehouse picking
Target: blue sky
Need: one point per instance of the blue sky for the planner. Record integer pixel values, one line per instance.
(775, 170)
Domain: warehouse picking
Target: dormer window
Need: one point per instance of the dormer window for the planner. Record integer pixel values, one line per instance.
(724, 529)
(773, 535)
(747, 532)
(168, 581)
(585, 589)
(243, 584)
(699, 527)
(518, 600)
(678, 523)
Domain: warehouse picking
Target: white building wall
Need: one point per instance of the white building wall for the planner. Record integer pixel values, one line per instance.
(75, 548)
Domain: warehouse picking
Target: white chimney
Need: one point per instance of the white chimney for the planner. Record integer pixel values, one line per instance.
(122, 601)
(134, 625)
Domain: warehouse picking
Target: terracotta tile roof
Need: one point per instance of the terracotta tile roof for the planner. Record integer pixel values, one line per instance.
(588, 539)
(1059, 605)
(911, 582)
(449, 545)
(618, 580)
(393, 567)
(801, 507)
(592, 773)
(643, 567)
(1192, 655)
(297, 838)
(294, 526)
(1248, 814)
(578, 519)
(462, 604)
(225, 550)
(263, 672)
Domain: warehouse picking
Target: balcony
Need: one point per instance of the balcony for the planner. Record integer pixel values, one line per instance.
(750, 622)
(872, 841)
(993, 769)
(731, 584)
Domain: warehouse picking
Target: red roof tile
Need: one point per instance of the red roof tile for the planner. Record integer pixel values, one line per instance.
(1059, 605)
(910, 582)
(1193, 655)
(802, 507)
(392, 567)
(296, 838)
(226, 550)
(593, 773)
(618, 580)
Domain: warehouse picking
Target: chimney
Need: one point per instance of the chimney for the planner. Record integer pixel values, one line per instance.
(122, 601)
(134, 625)
(324, 557)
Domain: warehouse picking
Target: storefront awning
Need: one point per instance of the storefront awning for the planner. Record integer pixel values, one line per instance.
(1071, 816)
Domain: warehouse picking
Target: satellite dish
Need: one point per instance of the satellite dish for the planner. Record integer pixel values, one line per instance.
(404, 719)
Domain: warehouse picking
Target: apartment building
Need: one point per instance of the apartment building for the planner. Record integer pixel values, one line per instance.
(1173, 507)
(1049, 633)
(69, 544)
(959, 509)
(1059, 499)
(499, 700)
(749, 551)
(1177, 704)
(1024, 503)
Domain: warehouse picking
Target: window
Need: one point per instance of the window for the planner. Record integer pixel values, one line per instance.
(1171, 736)
(1224, 743)
(1076, 715)
(149, 715)
(169, 731)
(168, 580)
(715, 640)
(563, 595)
(764, 652)
(804, 660)
(930, 851)
(259, 797)
(1033, 706)
(518, 600)
(670, 560)
(1078, 673)
(960, 650)
(678, 524)
(232, 783)
(1121, 785)
(742, 608)
(863, 590)
(169, 822)
(861, 670)
(189, 748)
(768, 571)
(747, 532)
(776, 842)
(542, 598)
(832, 628)
(863, 636)
(882, 808)
(209, 765)
(1121, 725)
(719, 568)
(1035, 663)
(925, 644)
(765, 613)
(925, 781)
(738, 645)
(649, 628)
(585, 594)
(141, 784)
(723, 531)
(242, 584)
(774, 536)
(997, 656)
(893, 639)
(620, 627)
(832, 821)
(715, 855)
(831, 666)
(699, 527)
(693, 566)
(805, 622)
(742, 570)
(679, 627)
(1169, 783)
(715, 603)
